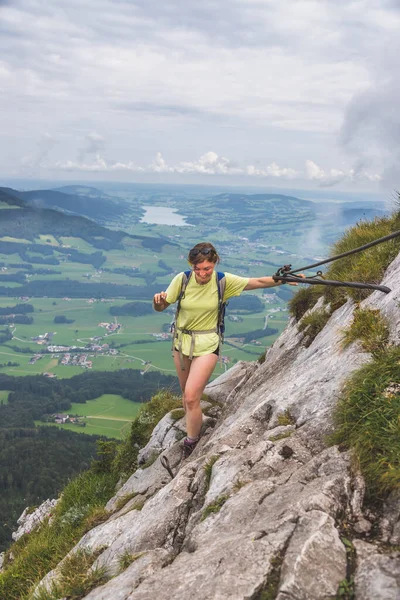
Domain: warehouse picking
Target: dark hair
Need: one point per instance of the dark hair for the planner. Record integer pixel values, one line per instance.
(203, 251)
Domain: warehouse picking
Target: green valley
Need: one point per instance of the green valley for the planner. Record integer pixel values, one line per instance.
(81, 348)
(78, 274)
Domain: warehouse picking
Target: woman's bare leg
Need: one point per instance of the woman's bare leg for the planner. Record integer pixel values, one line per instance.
(182, 375)
(200, 371)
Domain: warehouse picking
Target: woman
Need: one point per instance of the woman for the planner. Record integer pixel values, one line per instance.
(199, 313)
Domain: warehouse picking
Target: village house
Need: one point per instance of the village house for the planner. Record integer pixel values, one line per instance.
(60, 418)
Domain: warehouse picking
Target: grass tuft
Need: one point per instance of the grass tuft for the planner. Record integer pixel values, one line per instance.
(303, 300)
(367, 420)
(370, 328)
(286, 418)
(239, 483)
(127, 558)
(346, 586)
(77, 578)
(151, 460)
(208, 469)
(214, 507)
(34, 555)
(262, 357)
(313, 324)
(367, 266)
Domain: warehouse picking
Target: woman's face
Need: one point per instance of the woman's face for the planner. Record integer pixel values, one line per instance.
(203, 271)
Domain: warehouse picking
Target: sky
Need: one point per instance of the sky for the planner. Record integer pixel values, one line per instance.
(256, 92)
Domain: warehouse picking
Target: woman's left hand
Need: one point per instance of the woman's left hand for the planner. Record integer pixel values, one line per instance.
(297, 275)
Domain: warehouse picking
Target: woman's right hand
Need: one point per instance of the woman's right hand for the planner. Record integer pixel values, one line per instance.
(160, 301)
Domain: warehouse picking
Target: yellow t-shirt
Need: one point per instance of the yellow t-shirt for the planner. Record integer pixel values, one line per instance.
(199, 309)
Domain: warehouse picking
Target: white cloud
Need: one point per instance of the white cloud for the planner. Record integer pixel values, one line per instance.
(212, 164)
(273, 170)
(265, 83)
(335, 176)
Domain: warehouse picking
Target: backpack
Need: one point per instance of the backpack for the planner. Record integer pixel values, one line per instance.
(221, 284)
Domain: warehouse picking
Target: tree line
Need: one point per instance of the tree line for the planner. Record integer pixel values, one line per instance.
(36, 464)
(18, 309)
(32, 397)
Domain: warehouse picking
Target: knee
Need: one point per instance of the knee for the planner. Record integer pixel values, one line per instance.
(192, 400)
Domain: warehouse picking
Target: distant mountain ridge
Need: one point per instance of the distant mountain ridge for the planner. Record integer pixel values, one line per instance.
(33, 220)
(96, 205)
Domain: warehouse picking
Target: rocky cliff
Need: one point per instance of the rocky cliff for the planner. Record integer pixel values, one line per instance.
(263, 508)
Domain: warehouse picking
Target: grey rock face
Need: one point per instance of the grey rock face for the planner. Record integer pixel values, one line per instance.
(165, 434)
(30, 520)
(377, 575)
(222, 388)
(262, 497)
(315, 560)
(390, 522)
(122, 585)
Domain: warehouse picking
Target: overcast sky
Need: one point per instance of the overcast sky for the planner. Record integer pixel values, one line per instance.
(302, 93)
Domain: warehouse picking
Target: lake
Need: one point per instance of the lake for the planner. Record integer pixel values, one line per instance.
(163, 215)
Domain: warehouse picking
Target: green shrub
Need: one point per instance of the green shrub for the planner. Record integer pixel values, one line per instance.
(370, 328)
(313, 323)
(367, 420)
(86, 491)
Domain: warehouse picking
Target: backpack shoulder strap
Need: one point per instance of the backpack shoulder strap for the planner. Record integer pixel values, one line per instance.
(221, 282)
(185, 280)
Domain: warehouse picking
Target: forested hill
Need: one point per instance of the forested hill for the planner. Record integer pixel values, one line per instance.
(97, 206)
(8, 196)
(29, 222)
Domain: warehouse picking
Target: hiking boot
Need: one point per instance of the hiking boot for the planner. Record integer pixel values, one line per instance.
(188, 447)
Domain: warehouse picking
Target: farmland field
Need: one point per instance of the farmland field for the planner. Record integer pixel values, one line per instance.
(109, 415)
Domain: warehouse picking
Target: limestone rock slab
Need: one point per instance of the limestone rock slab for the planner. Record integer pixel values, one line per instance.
(377, 575)
(121, 586)
(315, 560)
